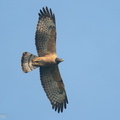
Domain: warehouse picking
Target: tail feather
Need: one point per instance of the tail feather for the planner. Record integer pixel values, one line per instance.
(26, 62)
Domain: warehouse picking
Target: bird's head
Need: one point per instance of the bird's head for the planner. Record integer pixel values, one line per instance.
(58, 60)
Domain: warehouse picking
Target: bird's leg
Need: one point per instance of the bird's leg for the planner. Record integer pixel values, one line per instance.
(36, 61)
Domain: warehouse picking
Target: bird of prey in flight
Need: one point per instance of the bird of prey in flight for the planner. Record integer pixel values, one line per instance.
(47, 60)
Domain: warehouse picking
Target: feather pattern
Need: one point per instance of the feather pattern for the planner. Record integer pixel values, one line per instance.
(47, 61)
(45, 38)
(54, 87)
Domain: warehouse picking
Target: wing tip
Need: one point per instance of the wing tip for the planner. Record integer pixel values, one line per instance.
(60, 106)
(45, 12)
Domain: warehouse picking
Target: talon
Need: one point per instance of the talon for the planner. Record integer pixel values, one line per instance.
(34, 63)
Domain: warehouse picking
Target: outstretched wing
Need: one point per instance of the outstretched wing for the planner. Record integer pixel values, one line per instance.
(54, 87)
(45, 38)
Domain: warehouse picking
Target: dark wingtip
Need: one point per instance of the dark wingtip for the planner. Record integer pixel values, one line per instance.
(45, 12)
(59, 106)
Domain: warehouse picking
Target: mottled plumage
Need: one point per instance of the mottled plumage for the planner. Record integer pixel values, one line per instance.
(47, 60)
(45, 37)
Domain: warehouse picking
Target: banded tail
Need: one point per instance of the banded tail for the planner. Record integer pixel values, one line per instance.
(26, 62)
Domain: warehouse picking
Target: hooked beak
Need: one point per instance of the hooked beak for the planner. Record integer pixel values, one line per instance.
(61, 60)
(58, 60)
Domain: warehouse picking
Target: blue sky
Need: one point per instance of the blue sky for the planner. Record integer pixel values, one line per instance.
(88, 39)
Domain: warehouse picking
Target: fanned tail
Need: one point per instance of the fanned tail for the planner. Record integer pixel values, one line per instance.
(26, 62)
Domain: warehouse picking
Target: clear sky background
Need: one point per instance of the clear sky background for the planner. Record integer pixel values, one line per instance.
(88, 39)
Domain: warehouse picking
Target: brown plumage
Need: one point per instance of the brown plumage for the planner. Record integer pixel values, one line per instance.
(45, 40)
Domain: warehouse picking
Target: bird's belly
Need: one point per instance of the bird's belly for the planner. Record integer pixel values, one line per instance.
(44, 61)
